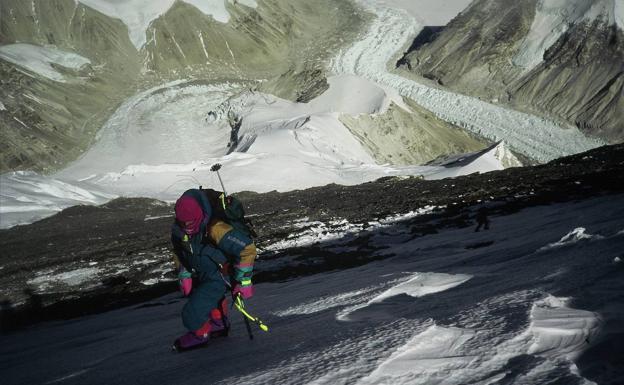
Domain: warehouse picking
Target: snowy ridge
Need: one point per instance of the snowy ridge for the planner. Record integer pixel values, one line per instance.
(553, 18)
(138, 14)
(391, 31)
(40, 59)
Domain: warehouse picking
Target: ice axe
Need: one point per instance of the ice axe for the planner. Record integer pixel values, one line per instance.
(215, 168)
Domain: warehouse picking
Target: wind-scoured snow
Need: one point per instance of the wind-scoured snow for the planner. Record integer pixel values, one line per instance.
(391, 32)
(572, 237)
(26, 196)
(421, 284)
(523, 317)
(509, 329)
(40, 60)
(553, 18)
(415, 285)
(559, 330)
(139, 14)
(411, 284)
(436, 350)
(447, 355)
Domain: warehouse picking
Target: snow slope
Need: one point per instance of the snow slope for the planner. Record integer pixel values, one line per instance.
(138, 14)
(445, 313)
(553, 18)
(40, 60)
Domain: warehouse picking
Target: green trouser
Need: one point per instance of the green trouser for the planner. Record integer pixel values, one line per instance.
(206, 295)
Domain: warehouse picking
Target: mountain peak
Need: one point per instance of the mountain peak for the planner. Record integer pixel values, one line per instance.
(139, 14)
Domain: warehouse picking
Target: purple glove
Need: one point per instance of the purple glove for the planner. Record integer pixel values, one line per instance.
(245, 290)
(186, 282)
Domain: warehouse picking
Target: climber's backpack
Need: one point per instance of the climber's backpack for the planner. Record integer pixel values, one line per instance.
(230, 210)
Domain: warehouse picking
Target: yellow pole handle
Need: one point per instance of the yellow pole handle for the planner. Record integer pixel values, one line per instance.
(239, 305)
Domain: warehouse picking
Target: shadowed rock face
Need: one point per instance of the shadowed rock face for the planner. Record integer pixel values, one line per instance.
(45, 123)
(89, 259)
(580, 79)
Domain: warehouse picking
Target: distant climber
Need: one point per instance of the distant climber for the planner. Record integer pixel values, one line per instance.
(235, 122)
(482, 219)
(217, 256)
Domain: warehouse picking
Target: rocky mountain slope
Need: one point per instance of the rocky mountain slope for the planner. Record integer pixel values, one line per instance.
(89, 259)
(559, 59)
(400, 137)
(48, 121)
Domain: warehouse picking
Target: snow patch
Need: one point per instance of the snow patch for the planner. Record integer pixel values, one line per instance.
(417, 285)
(328, 302)
(435, 351)
(40, 59)
(572, 237)
(151, 218)
(69, 278)
(560, 331)
(2, 107)
(421, 284)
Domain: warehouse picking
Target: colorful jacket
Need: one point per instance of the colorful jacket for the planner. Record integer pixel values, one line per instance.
(216, 240)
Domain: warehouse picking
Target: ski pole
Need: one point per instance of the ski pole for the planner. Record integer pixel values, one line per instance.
(247, 325)
(215, 168)
(240, 305)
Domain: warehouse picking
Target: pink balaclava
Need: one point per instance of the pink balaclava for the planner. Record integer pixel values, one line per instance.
(189, 214)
